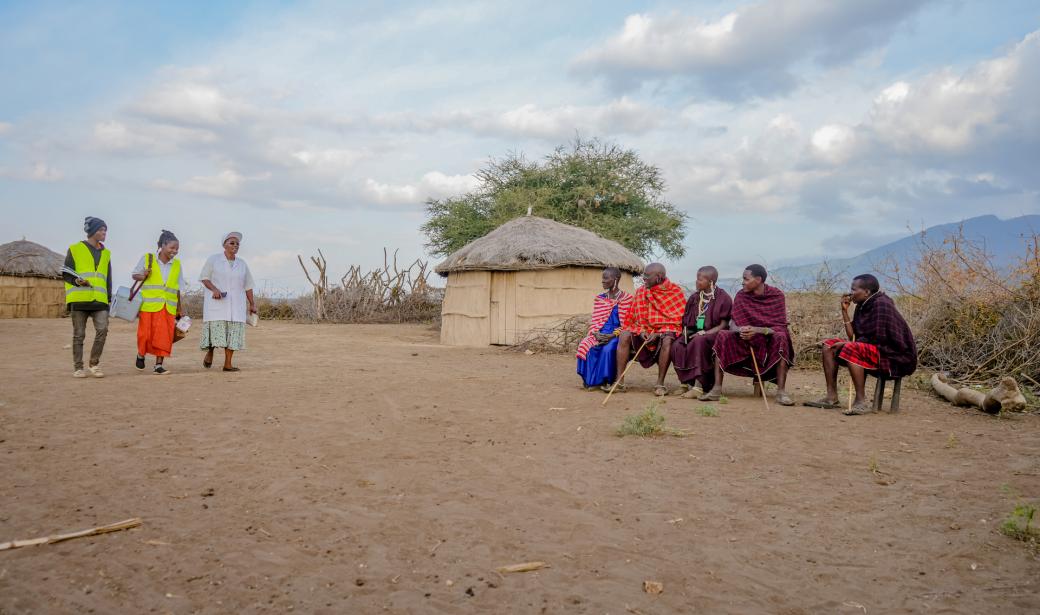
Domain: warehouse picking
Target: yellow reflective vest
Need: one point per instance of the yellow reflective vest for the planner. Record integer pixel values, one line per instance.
(157, 292)
(97, 276)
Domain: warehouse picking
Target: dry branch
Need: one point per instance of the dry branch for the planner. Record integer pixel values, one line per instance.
(94, 531)
(525, 567)
(391, 293)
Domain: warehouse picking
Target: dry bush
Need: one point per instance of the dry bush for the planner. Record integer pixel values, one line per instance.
(971, 318)
(271, 307)
(814, 313)
(562, 337)
(391, 294)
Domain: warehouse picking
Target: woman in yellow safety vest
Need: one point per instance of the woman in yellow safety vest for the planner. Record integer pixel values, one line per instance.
(162, 279)
(88, 287)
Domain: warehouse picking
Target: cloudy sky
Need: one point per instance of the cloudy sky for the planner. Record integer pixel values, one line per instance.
(789, 130)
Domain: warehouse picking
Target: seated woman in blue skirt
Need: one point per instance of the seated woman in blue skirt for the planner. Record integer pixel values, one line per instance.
(596, 354)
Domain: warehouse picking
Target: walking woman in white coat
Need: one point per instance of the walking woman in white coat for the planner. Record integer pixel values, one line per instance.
(228, 302)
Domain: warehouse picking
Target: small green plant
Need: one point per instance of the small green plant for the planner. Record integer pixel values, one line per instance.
(951, 441)
(723, 400)
(874, 467)
(708, 411)
(649, 423)
(1020, 524)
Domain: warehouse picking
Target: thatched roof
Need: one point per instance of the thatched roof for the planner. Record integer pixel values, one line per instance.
(28, 259)
(531, 242)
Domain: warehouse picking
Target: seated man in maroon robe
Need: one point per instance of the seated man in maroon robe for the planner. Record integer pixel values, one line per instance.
(707, 313)
(655, 318)
(879, 341)
(759, 325)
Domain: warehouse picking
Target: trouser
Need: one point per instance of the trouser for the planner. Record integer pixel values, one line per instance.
(79, 333)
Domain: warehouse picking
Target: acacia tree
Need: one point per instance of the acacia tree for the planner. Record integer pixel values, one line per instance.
(589, 183)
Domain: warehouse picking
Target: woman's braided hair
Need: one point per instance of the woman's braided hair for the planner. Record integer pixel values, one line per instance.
(166, 237)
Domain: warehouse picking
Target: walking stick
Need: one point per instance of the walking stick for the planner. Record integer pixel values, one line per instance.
(761, 385)
(618, 381)
(853, 339)
(850, 382)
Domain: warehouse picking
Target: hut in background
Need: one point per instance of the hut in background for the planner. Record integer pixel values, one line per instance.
(527, 274)
(30, 281)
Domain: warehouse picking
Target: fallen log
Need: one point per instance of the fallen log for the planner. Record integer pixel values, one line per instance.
(1006, 396)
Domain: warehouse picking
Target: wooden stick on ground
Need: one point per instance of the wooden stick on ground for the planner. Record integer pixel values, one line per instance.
(618, 381)
(761, 385)
(94, 531)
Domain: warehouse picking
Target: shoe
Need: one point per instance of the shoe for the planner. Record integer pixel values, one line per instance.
(160, 370)
(862, 407)
(79, 373)
(824, 403)
(96, 372)
(711, 395)
(139, 363)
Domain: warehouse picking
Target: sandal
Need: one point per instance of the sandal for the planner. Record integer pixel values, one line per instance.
(693, 393)
(660, 390)
(139, 362)
(858, 409)
(822, 403)
(231, 369)
(621, 388)
(712, 395)
(784, 399)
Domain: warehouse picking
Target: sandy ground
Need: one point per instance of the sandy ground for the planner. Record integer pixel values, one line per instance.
(366, 469)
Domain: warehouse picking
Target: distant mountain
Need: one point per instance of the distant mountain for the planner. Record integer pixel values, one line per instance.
(1003, 240)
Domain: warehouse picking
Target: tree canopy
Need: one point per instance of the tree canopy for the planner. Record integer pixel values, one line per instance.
(588, 183)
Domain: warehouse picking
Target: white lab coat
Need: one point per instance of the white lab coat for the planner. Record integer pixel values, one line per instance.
(231, 277)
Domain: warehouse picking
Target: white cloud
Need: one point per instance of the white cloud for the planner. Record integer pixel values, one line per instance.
(147, 137)
(225, 184)
(43, 172)
(833, 142)
(6, 127)
(434, 184)
(191, 103)
(946, 142)
(952, 112)
(748, 52)
(616, 117)
(38, 171)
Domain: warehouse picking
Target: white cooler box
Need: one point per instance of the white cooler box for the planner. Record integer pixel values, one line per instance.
(123, 306)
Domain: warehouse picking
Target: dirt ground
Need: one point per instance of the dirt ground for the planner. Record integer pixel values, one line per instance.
(367, 469)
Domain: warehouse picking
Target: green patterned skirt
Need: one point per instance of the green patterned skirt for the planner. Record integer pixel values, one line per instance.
(223, 334)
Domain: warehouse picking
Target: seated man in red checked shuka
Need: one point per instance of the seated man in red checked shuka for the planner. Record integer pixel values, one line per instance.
(879, 341)
(655, 318)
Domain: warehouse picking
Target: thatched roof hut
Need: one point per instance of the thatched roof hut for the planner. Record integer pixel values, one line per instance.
(530, 273)
(30, 281)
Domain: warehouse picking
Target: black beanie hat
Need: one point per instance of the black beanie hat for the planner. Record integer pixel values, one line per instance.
(92, 225)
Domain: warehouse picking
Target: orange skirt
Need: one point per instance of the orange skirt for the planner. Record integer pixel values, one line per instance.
(155, 333)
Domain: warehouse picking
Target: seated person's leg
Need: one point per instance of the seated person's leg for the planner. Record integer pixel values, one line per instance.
(664, 358)
(624, 353)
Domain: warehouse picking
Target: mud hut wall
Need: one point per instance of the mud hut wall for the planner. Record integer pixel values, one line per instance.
(543, 298)
(29, 297)
(465, 313)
